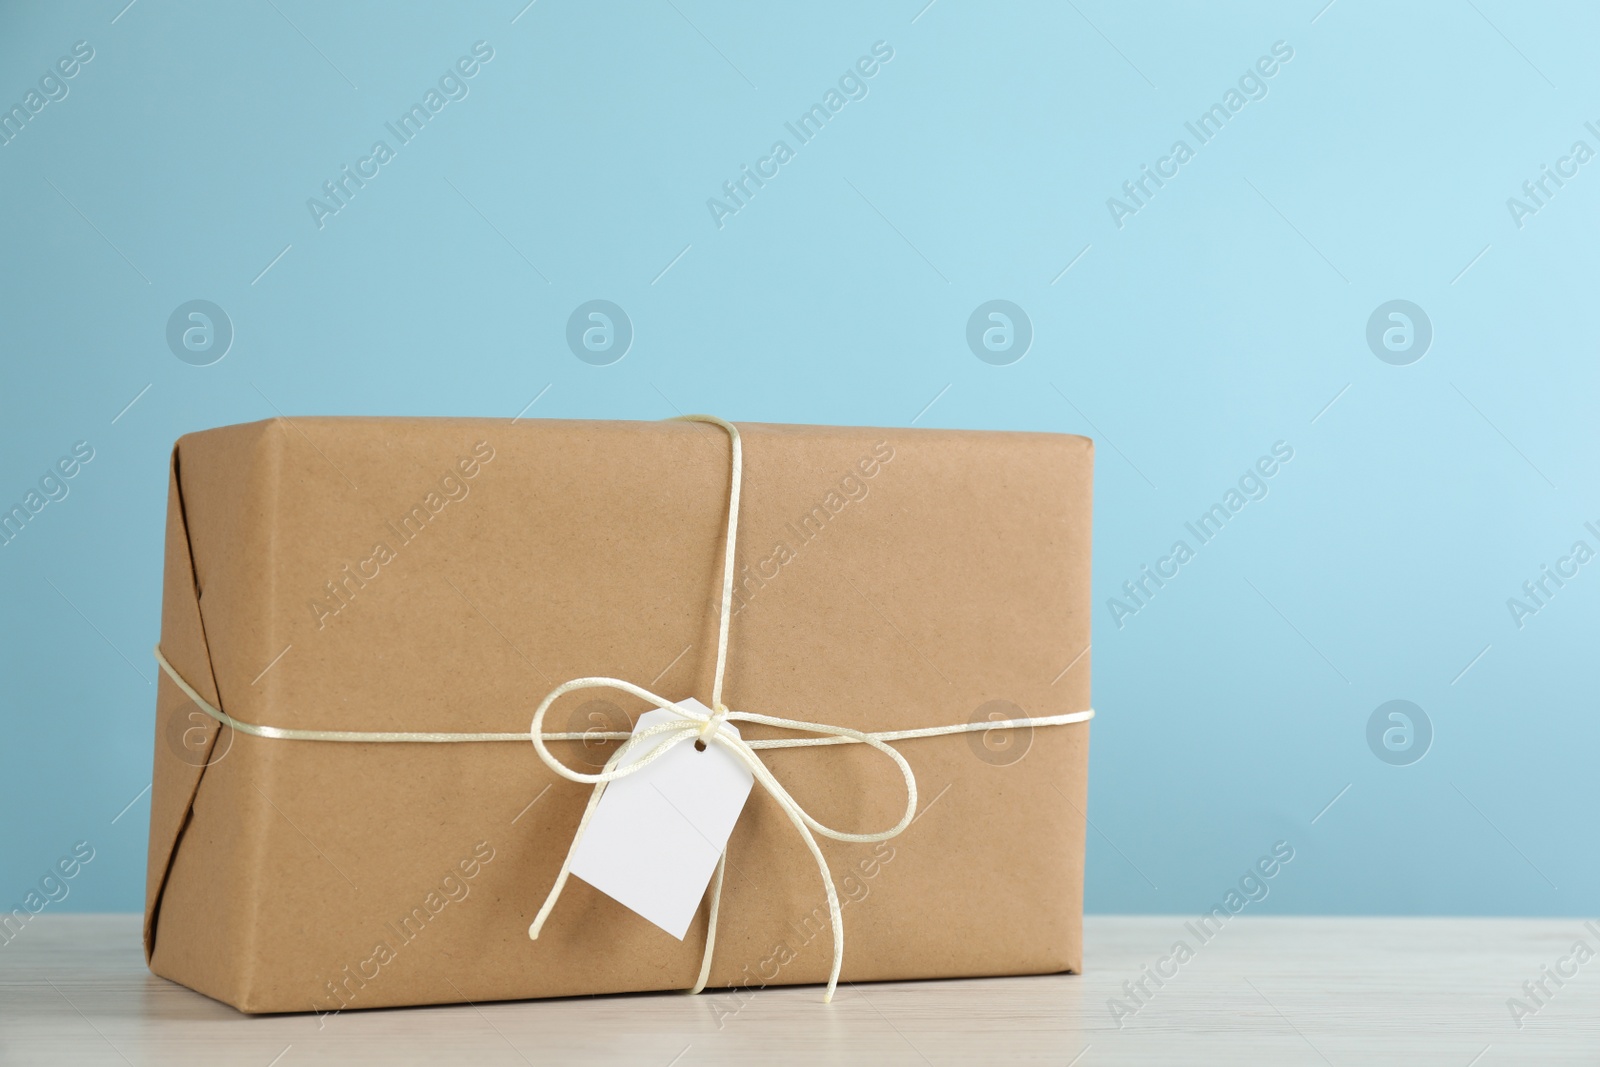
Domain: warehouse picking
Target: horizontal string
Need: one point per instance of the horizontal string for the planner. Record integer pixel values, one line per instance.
(285, 733)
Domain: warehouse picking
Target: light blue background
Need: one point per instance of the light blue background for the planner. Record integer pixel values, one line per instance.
(1223, 317)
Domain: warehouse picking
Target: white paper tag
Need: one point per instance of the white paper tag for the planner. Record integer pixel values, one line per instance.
(654, 839)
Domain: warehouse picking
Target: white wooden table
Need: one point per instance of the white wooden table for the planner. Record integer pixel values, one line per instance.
(1268, 991)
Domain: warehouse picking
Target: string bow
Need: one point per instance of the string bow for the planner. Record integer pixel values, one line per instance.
(706, 729)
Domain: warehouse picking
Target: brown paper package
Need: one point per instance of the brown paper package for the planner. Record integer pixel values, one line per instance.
(445, 574)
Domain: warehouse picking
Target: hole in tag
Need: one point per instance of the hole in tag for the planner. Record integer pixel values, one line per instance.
(699, 744)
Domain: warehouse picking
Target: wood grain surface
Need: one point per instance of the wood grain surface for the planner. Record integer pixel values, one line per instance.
(74, 989)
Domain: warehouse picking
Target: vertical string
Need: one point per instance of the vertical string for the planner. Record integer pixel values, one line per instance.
(724, 617)
(719, 709)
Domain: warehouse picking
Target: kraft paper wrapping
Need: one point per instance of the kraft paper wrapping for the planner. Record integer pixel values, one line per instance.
(445, 574)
